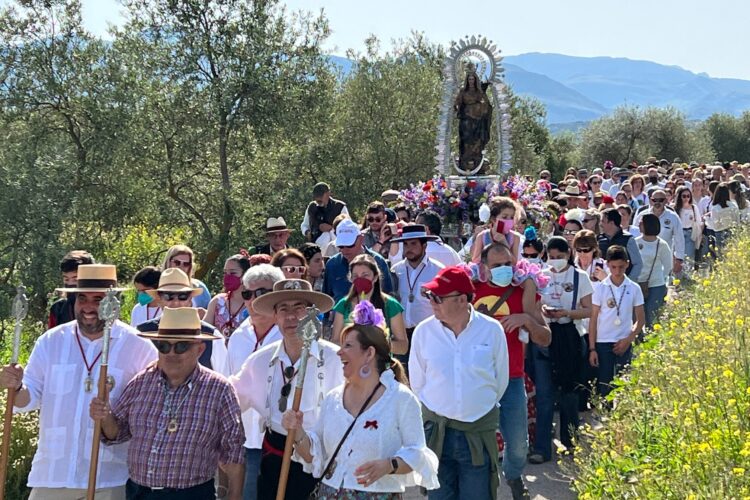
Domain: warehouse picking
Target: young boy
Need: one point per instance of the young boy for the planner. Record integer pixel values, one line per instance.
(62, 310)
(611, 329)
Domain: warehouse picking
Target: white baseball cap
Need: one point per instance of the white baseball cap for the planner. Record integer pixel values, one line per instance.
(346, 233)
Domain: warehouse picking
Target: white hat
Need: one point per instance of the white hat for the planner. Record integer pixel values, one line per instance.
(346, 233)
(277, 225)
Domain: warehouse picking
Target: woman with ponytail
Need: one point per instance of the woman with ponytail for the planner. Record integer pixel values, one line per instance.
(369, 443)
(365, 277)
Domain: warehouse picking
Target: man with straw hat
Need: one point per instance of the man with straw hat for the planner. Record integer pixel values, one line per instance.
(267, 380)
(182, 420)
(59, 380)
(277, 234)
(177, 290)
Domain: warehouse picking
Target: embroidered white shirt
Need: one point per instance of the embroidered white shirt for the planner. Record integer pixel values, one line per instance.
(460, 377)
(410, 281)
(242, 344)
(391, 427)
(55, 377)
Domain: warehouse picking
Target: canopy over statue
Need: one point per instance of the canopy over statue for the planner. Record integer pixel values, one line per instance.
(474, 114)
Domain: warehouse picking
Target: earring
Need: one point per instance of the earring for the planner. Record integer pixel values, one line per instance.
(365, 371)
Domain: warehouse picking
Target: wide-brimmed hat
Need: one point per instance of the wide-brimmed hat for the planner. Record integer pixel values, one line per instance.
(573, 191)
(175, 280)
(95, 278)
(277, 225)
(292, 290)
(179, 323)
(389, 195)
(414, 232)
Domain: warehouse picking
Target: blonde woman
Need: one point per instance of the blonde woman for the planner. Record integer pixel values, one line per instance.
(182, 257)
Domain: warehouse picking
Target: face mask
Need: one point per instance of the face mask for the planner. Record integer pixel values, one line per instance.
(232, 282)
(557, 264)
(501, 276)
(504, 226)
(536, 260)
(144, 299)
(362, 286)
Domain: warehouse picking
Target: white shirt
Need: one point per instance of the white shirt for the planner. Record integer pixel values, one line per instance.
(628, 295)
(460, 377)
(305, 226)
(661, 261)
(242, 344)
(704, 204)
(55, 377)
(410, 281)
(436, 250)
(559, 292)
(721, 218)
(324, 373)
(219, 356)
(671, 230)
(141, 314)
(399, 433)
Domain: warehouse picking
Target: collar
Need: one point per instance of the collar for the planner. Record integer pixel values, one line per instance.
(608, 281)
(315, 351)
(114, 333)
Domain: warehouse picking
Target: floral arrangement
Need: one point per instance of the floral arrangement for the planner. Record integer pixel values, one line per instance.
(435, 195)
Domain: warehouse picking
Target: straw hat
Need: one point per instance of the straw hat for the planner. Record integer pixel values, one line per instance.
(292, 290)
(414, 232)
(175, 280)
(95, 278)
(180, 323)
(572, 191)
(277, 225)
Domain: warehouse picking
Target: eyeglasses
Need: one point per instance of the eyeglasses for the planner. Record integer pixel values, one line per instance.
(165, 347)
(437, 299)
(570, 232)
(167, 296)
(294, 269)
(374, 219)
(254, 294)
(658, 200)
(529, 255)
(181, 263)
(584, 250)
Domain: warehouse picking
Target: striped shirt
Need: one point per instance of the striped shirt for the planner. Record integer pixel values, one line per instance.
(209, 430)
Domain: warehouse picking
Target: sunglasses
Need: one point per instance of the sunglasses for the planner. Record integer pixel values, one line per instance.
(165, 347)
(685, 196)
(658, 200)
(286, 389)
(167, 296)
(584, 250)
(437, 299)
(346, 246)
(545, 177)
(182, 263)
(596, 182)
(254, 294)
(529, 255)
(294, 269)
(374, 219)
(570, 232)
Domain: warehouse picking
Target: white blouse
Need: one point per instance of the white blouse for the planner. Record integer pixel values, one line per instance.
(391, 427)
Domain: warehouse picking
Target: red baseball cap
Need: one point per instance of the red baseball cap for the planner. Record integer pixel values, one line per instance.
(450, 280)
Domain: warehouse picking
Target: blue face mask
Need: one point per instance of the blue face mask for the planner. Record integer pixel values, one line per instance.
(501, 276)
(144, 299)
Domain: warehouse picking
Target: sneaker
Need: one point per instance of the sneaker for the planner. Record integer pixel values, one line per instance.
(537, 458)
(518, 489)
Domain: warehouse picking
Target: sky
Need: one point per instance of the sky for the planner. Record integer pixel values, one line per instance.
(701, 36)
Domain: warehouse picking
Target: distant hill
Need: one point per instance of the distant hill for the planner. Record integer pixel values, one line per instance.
(580, 89)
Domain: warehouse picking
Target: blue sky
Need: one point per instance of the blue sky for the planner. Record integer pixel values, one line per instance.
(702, 36)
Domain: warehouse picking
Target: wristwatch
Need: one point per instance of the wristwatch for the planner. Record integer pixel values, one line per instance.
(394, 465)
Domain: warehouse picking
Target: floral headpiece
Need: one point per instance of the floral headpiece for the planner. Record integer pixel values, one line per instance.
(367, 314)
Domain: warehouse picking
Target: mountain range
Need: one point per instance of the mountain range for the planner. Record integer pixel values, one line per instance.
(581, 89)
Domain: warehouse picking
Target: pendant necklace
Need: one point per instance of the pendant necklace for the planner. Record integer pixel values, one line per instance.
(410, 284)
(88, 382)
(229, 326)
(618, 321)
(169, 411)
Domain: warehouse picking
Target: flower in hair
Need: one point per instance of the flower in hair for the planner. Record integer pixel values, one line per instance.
(366, 314)
(529, 233)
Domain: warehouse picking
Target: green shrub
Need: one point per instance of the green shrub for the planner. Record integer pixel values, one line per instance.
(681, 427)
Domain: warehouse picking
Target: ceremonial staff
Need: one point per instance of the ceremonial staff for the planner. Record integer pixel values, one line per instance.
(109, 311)
(19, 310)
(309, 329)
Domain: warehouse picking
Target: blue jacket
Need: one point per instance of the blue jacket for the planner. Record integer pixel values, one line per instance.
(336, 281)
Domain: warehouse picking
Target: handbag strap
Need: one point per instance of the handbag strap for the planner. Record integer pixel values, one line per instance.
(346, 434)
(653, 263)
(575, 289)
(500, 301)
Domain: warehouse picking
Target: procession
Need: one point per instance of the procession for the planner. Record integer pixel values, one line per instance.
(474, 327)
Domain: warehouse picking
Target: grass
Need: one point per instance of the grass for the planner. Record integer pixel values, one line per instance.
(681, 427)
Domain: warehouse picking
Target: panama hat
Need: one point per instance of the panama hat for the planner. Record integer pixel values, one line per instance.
(572, 191)
(277, 225)
(292, 290)
(414, 232)
(95, 278)
(179, 323)
(175, 280)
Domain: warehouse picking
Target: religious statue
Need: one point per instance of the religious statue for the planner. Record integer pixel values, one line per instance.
(474, 113)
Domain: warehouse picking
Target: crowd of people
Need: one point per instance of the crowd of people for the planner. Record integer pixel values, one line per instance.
(432, 359)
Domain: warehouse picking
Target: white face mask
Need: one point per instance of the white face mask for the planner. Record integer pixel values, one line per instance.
(557, 264)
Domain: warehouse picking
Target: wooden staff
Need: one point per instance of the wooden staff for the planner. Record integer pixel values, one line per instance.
(109, 311)
(20, 309)
(309, 329)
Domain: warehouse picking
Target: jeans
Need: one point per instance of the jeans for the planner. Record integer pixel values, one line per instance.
(652, 303)
(610, 365)
(252, 470)
(459, 479)
(689, 247)
(514, 427)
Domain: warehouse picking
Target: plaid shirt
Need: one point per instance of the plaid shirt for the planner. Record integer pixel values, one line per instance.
(209, 428)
